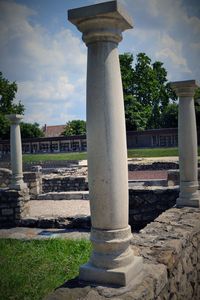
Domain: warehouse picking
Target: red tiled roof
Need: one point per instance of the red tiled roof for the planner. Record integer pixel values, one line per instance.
(53, 131)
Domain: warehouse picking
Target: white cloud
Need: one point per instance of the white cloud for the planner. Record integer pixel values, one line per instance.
(46, 91)
(49, 68)
(165, 31)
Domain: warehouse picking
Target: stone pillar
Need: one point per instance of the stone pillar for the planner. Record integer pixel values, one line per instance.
(16, 153)
(112, 260)
(187, 140)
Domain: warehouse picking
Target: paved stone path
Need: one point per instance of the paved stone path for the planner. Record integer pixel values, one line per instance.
(25, 233)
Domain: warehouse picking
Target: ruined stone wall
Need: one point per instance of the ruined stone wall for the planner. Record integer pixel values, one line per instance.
(152, 166)
(173, 177)
(13, 207)
(146, 204)
(33, 180)
(5, 177)
(34, 183)
(63, 184)
(172, 245)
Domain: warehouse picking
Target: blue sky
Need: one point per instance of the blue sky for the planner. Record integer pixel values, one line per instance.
(44, 53)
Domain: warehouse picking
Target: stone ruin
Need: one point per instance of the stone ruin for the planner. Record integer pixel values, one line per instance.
(173, 260)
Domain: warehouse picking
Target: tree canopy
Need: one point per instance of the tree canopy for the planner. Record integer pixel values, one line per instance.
(75, 127)
(147, 94)
(29, 130)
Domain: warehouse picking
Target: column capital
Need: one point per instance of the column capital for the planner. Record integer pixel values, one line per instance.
(184, 88)
(101, 22)
(15, 118)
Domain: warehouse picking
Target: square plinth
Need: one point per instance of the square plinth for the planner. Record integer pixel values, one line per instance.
(111, 9)
(119, 276)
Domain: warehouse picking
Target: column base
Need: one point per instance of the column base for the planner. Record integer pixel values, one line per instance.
(189, 194)
(18, 186)
(188, 201)
(119, 276)
(112, 260)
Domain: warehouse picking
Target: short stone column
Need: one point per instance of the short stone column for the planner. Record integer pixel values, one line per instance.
(112, 260)
(187, 140)
(16, 153)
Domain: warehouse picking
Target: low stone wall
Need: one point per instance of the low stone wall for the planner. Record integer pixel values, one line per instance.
(33, 180)
(27, 166)
(63, 184)
(146, 204)
(173, 241)
(13, 207)
(5, 177)
(34, 183)
(170, 247)
(152, 166)
(173, 177)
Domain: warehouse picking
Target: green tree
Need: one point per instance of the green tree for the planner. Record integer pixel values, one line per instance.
(29, 130)
(169, 117)
(7, 104)
(75, 127)
(147, 93)
(136, 114)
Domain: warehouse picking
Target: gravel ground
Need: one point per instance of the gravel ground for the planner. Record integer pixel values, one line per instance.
(61, 208)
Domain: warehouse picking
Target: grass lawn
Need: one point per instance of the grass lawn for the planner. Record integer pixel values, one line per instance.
(33, 269)
(54, 156)
(132, 153)
(152, 152)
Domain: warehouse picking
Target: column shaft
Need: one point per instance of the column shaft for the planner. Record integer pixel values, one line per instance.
(107, 152)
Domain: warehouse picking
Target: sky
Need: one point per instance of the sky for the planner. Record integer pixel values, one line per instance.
(44, 53)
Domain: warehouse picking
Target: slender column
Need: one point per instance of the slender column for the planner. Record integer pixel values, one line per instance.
(112, 260)
(16, 152)
(187, 140)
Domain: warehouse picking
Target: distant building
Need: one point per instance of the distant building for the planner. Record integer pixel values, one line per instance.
(53, 131)
(165, 137)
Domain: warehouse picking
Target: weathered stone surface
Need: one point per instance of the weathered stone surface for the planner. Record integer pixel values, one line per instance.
(13, 206)
(79, 221)
(147, 204)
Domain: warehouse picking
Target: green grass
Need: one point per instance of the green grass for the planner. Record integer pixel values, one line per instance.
(132, 153)
(152, 152)
(33, 269)
(54, 156)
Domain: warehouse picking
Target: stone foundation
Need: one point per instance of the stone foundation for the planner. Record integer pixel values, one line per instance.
(146, 204)
(34, 183)
(32, 179)
(51, 183)
(152, 166)
(13, 207)
(5, 177)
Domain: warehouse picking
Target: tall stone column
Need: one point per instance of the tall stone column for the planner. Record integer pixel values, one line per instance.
(187, 140)
(112, 260)
(16, 152)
